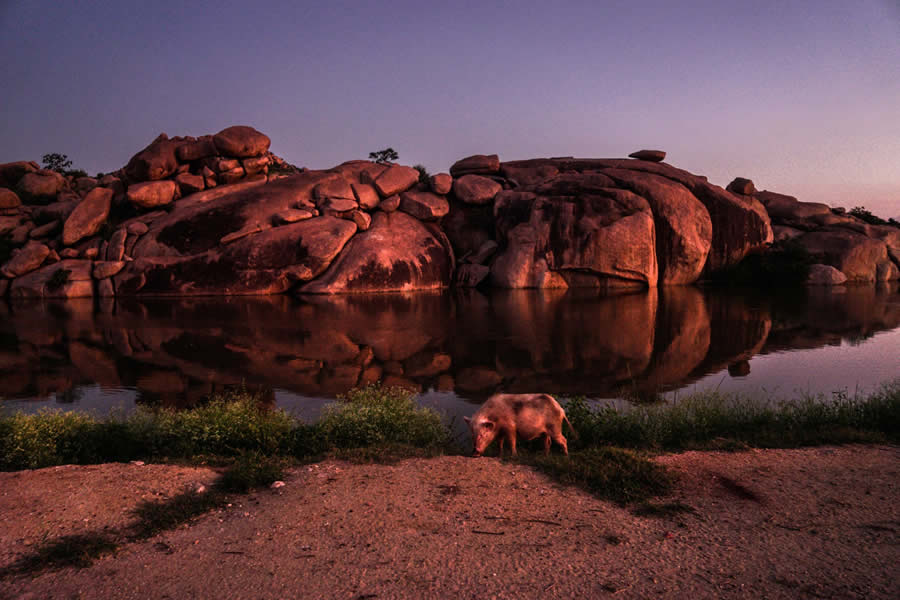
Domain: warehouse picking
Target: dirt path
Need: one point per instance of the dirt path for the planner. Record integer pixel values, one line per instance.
(818, 523)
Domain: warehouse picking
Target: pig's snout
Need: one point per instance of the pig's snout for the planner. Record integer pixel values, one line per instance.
(476, 454)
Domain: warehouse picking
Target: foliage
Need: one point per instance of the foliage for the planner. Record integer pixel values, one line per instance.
(59, 278)
(56, 162)
(251, 470)
(384, 156)
(785, 262)
(860, 212)
(424, 176)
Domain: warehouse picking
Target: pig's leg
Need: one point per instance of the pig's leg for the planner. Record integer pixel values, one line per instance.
(546, 443)
(502, 441)
(512, 440)
(559, 439)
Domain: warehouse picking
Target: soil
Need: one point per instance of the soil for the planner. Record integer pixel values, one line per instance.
(816, 523)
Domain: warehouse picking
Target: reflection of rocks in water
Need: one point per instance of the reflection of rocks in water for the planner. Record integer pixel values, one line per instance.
(177, 352)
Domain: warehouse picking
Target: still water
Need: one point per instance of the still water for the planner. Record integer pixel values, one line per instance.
(455, 347)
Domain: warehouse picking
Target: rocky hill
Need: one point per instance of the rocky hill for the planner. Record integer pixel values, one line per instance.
(221, 215)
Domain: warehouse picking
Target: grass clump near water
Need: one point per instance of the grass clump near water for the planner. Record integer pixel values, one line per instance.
(713, 420)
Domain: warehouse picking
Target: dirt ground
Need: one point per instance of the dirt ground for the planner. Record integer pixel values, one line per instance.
(817, 523)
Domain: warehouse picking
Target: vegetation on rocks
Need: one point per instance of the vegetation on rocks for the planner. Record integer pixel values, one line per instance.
(785, 262)
(860, 212)
(384, 156)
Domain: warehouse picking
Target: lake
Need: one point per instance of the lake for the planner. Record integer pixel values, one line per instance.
(456, 347)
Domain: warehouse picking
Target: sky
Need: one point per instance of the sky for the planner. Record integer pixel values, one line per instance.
(803, 97)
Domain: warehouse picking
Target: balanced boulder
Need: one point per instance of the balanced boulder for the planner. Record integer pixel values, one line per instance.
(241, 141)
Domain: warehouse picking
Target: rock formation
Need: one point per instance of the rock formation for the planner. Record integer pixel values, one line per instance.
(221, 215)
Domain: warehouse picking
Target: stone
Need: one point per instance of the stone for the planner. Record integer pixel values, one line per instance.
(683, 228)
(11, 173)
(19, 235)
(88, 216)
(390, 204)
(40, 186)
(395, 180)
(105, 288)
(27, 259)
(649, 155)
(886, 271)
(232, 176)
(69, 253)
(481, 164)
(188, 184)
(484, 252)
(255, 165)
(362, 219)
(740, 185)
(471, 275)
(781, 233)
(424, 206)
(441, 183)
(337, 205)
(201, 148)
(151, 194)
(44, 230)
(855, 255)
(475, 189)
(529, 172)
(55, 211)
(85, 184)
(293, 215)
(8, 199)
(69, 278)
(397, 253)
(365, 195)
(427, 364)
(222, 165)
(156, 161)
(825, 275)
(477, 379)
(781, 207)
(241, 141)
(115, 248)
(107, 268)
(370, 172)
(336, 188)
(137, 228)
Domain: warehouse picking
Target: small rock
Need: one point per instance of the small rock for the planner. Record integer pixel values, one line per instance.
(441, 183)
(825, 275)
(740, 185)
(277, 484)
(362, 219)
(138, 463)
(293, 215)
(424, 206)
(188, 184)
(649, 155)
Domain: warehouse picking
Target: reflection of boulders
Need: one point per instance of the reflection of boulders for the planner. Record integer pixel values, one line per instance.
(175, 353)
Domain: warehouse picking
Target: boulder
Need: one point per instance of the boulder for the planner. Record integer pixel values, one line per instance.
(441, 183)
(854, 254)
(338, 205)
(115, 249)
(396, 179)
(69, 278)
(782, 207)
(188, 184)
(471, 275)
(825, 275)
(156, 161)
(151, 194)
(137, 228)
(477, 379)
(740, 185)
(365, 195)
(390, 204)
(683, 227)
(40, 186)
(424, 206)
(232, 175)
(362, 219)
(480, 164)
(529, 172)
(104, 269)
(44, 230)
(335, 188)
(27, 259)
(88, 216)
(397, 253)
(8, 199)
(293, 215)
(11, 173)
(475, 189)
(201, 148)
(241, 141)
(782, 233)
(257, 164)
(484, 252)
(85, 184)
(468, 226)
(649, 155)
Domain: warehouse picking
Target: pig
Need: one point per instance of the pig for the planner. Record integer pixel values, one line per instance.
(526, 415)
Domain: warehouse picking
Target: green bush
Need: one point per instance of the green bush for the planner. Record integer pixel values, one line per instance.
(424, 176)
(376, 415)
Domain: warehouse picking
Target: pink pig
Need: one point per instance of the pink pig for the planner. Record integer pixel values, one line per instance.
(525, 415)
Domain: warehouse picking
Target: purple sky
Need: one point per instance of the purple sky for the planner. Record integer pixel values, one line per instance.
(802, 97)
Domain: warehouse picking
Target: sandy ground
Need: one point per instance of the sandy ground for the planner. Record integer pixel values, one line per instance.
(816, 523)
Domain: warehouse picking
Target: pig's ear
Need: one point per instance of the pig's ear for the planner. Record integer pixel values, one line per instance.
(467, 420)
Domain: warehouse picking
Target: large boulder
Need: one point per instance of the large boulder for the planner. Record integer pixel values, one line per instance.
(397, 253)
(27, 259)
(8, 199)
(156, 161)
(825, 275)
(151, 194)
(855, 255)
(480, 164)
(11, 173)
(65, 279)
(396, 179)
(40, 186)
(202, 147)
(424, 206)
(88, 216)
(649, 155)
(475, 189)
(787, 208)
(241, 141)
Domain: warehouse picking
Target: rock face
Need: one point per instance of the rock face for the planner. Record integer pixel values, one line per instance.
(397, 253)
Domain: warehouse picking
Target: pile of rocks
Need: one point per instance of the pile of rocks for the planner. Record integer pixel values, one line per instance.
(214, 216)
(848, 248)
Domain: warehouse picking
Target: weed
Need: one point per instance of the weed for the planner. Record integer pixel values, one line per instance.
(252, 470)
(59, 278)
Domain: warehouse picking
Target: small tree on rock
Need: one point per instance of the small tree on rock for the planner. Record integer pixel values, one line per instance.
(384, 156)
(56, 162)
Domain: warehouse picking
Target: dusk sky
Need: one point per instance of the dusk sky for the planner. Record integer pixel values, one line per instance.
(801, 97)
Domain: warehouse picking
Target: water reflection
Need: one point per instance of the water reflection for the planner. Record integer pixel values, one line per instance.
(176, 352)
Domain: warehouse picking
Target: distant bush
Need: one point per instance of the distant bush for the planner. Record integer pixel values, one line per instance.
(384, 156)
(786, 262)
(424, 176)
(860, 212)
(56, 162)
